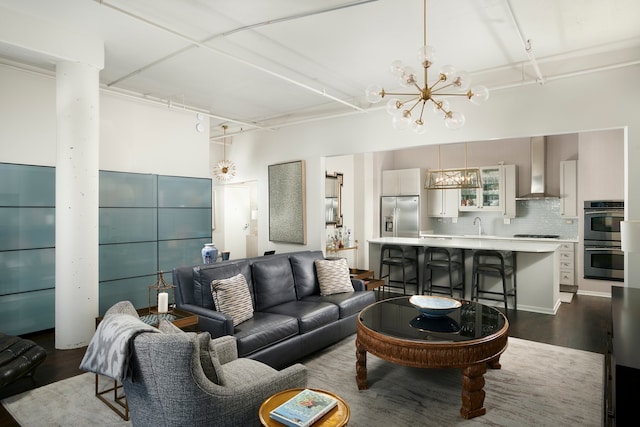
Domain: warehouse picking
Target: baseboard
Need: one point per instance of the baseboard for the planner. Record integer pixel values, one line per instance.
(595, 294)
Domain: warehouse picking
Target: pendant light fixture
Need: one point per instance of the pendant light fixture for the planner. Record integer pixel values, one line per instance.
(224, 169)
(404, 113)
(451, 179)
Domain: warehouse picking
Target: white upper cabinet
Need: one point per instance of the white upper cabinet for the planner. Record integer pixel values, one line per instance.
(498, 192)
(569, 188)
(443, 203)
(402, 182)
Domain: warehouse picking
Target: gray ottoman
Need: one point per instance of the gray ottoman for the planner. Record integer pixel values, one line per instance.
(18, 357)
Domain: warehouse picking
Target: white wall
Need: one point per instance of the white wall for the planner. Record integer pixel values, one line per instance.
(559, 107)
(134, 136)
(146, 138)
(27, 118)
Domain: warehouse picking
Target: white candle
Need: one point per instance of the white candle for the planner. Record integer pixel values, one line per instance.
(163, 302)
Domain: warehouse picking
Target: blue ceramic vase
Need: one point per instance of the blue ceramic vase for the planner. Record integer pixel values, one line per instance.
(209, 253)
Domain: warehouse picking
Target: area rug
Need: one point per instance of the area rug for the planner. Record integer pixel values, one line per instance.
(539, 384)
(566, 297)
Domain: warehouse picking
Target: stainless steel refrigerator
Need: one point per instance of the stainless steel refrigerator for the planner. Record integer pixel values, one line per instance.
(400, 216)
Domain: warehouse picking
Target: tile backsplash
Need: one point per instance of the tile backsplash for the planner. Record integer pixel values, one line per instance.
(533, 217)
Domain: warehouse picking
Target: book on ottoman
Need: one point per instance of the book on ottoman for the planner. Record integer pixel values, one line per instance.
(303, 409)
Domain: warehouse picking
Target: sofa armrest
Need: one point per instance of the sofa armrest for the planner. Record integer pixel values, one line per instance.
(358, 285)
(216, 323)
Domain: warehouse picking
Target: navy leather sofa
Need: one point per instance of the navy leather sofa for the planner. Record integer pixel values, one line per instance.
(291, 319)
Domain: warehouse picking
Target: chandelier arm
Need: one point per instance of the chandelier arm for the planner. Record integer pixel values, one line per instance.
(451, 94)
(399, 93)
(424, 103)
(436, 83)
(414, 105)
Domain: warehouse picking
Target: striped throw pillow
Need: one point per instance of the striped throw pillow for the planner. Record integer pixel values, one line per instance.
(231, 297)
(333, 276)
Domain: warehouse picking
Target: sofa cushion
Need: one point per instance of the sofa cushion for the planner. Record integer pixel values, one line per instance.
(273, 282)
(202, 278)
(333, 276)
(348, 303)
(264, 330)
(304, 272)
(310, 315)
(231, 297)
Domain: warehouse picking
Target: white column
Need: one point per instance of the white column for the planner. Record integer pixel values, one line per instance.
(77, 107)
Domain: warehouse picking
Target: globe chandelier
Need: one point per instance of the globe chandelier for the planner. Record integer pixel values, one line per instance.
(225, 169)
(450, 82)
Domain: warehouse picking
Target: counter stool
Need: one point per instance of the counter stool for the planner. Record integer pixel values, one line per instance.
(394, 256)
(497, 264)
(449, 261)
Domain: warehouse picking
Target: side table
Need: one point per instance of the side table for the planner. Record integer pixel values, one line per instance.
(338, 416)
(368, 276)
(182, 319)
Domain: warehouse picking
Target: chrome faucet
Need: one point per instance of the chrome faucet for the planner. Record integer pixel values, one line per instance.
(477, 221)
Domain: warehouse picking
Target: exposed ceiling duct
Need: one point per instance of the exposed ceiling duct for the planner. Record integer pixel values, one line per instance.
(538, 171)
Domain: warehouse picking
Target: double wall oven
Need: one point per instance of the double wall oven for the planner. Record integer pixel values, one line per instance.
(603, 256)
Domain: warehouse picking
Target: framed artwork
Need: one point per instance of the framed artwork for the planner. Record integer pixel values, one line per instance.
(287, 203)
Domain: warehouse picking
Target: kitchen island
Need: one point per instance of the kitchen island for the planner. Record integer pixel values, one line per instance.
(538, 265)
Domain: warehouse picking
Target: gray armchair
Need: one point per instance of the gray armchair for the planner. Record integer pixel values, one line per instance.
(173, 378)
(187, 379)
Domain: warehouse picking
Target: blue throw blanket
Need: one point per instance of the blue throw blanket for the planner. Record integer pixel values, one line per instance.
(109, 351)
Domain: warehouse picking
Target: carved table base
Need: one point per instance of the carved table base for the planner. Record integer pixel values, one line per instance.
(472, 356)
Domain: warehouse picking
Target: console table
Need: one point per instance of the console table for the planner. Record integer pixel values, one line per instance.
(622, 360)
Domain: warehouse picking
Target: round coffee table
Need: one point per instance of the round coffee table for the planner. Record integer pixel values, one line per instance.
(471, 337)
(338, 416)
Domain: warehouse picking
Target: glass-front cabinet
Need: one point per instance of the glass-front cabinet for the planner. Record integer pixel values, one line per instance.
(487, 197)
(496, 194)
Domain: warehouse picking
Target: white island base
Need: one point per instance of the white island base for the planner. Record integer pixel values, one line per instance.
(537, 267)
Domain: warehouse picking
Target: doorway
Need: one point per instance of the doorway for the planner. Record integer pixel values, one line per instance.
(240, 224)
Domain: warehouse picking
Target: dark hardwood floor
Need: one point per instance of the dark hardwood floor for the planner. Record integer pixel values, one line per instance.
(582, 325)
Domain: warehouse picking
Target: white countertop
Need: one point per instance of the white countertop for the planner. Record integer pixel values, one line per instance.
(475, 242)
(490, 237)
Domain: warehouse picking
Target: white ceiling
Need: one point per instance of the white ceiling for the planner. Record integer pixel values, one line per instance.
(259, 63)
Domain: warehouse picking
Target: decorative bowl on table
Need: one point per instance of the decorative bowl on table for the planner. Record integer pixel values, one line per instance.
(433, 306)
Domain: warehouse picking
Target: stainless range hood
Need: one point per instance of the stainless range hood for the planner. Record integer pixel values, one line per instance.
(538, 171)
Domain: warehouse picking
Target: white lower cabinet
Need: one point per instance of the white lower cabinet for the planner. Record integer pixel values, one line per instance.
(567, 264)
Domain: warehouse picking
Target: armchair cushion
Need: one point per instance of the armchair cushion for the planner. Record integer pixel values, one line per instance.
(333, 276)
(232, 297)
(208, 357)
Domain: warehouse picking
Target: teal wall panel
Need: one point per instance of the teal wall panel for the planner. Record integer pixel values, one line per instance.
(147, 223)
(124, 260)
(135, 289)
(27, 270)
(180, 192)
(183, 223)
(27, 312)
(119, 225)
(141, 235)
(180, 253)
(24, 185)
(121, 189)
(27, 228)
(27, 248)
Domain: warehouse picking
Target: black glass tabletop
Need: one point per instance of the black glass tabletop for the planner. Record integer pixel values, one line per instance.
(397, 318)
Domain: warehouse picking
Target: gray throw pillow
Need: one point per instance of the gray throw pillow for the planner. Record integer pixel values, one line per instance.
(333, 276)
(232, 297)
